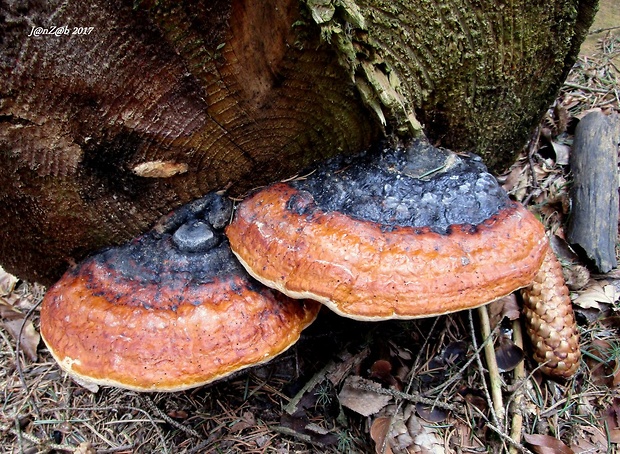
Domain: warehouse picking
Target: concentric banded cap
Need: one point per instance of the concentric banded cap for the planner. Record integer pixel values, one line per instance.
(405, 233)
(170, 310)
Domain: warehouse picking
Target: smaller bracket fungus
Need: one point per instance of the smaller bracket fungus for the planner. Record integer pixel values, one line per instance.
(403, 233)
(170, 310)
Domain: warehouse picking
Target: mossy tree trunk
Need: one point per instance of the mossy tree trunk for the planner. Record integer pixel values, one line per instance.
(137, 107)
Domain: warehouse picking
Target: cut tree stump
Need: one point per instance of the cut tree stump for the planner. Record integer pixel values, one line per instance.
(129, 109)
(593, 223)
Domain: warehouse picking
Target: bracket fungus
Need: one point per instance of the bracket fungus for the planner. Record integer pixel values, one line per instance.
(404, 233)
(170, 310)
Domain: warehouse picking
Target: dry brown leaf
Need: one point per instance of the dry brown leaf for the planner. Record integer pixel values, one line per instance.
(465, 438)
(431, 414)
(546, 444)
(595, 294)
(7, 282)
(378, 432)
(517, 181)
(349, 362)
(612, 420)
(12, 320)
(602, 365)
(247, 421)
(361, 401)
(562, 153)
(506, 306)
(590, 439)
(8, 312)
(400, 351)
(425, 439)
(85, 448)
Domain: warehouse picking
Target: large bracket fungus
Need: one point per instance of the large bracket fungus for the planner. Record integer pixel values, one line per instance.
(402, 233)
(170, 310)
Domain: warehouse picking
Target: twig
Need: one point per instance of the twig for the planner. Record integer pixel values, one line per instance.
(121, 448)
(37, 441)
(303, 437)
(485, 389)
(459, 374)
(317, 378)
(155, 409)
(511, 442)
(494, 376)
(409, 397)
(18, 364)
(586, 88)
(601, 30)
(116, 409)
(532, 148)
(519, 376)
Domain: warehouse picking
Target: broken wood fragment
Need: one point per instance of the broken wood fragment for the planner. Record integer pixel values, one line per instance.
(593, 224)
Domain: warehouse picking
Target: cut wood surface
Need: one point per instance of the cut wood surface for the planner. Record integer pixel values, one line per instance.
(593, 224)
(138, 107)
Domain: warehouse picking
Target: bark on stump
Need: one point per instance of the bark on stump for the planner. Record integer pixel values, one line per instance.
(105, 130)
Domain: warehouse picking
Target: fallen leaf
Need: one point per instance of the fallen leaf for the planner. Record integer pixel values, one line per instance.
(455, 353)
(466, 439)
(378, 432)
(247, 420)
(430, 413)
(302, 427)
(362, 401)
(612, 419)
(475, 398)
(85, 448)
(426, 439)
(589, 439)
(546, 444)
(30, 338)
(340, 370)
(178, 414)
(8, 312)
(596, 292)
(516, 182)
(7, 282)
(506, 306)
(602, 365)
(562, 153)
(508, 354)
(400, 351)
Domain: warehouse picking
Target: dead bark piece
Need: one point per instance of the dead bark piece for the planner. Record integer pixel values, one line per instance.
(594, 164)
